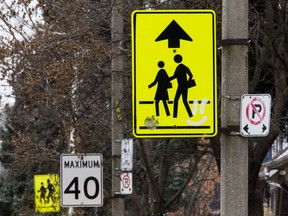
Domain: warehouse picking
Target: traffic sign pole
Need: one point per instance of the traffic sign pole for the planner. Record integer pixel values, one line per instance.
(117, 101)
(234, 148)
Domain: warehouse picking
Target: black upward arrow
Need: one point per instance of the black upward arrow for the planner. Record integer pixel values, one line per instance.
(173, 33)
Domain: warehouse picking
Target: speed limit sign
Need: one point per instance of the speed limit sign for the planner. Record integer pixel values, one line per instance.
(81, 179)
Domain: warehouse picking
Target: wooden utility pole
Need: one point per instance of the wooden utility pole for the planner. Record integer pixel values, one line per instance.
(234, 148)
(117, 68)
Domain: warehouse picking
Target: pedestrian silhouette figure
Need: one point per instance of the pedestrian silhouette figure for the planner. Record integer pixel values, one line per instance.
(51, 190)
(180, 74)
(163, 84)
(42, 193)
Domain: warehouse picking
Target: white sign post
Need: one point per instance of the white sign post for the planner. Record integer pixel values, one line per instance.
(81, 180)
(255, 115)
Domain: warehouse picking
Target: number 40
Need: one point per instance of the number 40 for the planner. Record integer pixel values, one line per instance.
(75, 184)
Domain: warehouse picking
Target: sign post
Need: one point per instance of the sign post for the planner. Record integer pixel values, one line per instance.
(174, 73)
(81, 180)
(234, 82)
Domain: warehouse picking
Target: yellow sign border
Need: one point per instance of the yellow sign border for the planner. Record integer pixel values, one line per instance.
(176, 131)
(50, 200)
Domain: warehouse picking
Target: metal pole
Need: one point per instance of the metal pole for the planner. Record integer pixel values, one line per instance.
(234, 148)
(117, 68)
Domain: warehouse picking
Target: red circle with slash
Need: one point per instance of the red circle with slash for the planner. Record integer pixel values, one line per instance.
(126, 181)
(252, 106)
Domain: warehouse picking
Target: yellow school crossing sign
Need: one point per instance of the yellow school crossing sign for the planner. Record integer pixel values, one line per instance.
(46, 190)
(174, 73)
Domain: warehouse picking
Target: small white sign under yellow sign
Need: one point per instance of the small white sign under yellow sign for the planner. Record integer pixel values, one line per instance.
(174, 77)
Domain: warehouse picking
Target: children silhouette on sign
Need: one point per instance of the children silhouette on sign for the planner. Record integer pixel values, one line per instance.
(180, 74)
(163, 84)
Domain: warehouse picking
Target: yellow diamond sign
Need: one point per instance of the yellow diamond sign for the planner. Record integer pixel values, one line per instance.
(174, 73)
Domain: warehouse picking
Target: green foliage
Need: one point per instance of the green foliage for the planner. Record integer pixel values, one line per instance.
(5, 197)
(176, 178)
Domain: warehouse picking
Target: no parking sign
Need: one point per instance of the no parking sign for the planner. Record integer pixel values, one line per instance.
(126, 183)
(255, 115)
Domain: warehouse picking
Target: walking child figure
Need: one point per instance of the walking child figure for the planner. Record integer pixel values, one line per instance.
(180, 74)
(51, 190)
(162, 88)
(42, 192)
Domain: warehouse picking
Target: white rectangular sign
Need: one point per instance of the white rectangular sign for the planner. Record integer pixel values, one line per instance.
(126, 154)
(126, 183)
(255, 115)
(81, 180)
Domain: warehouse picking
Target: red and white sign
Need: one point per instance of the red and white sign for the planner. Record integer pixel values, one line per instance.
(255, 115)
(126, 183)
